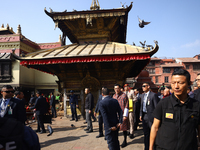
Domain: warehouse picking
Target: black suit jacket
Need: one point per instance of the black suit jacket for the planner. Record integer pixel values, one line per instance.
(89, 101)
(111, 113)
(150, 106)
(197, 94)
(40, 105)
(97, 105)
(18, 110)
(52, 101)
(32, 100)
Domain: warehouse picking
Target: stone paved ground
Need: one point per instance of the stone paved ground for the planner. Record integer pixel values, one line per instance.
(66, 137)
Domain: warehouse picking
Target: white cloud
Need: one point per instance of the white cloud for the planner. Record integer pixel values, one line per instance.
(196, 43)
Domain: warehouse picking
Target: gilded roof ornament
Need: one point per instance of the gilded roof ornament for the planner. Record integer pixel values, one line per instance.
(60, 39)
(2, 26)
(19, 29)
(95, 5)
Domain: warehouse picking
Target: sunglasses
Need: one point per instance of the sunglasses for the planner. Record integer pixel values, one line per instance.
(8, 91)
(144, 85)
(197, 80)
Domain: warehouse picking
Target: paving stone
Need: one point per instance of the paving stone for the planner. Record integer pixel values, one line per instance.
(66, 137)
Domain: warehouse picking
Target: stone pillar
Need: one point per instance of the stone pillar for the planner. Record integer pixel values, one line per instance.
(82, 104)
(65, 102)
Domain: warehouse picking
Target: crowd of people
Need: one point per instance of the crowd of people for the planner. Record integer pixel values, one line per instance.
(13, 111)
(170, 118)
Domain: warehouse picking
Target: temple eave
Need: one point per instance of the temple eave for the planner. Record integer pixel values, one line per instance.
(85, 59)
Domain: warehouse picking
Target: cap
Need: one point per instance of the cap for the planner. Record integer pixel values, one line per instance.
(126, 85)
(71, 91)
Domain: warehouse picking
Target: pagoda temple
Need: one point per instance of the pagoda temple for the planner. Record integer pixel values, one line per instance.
(98, 55)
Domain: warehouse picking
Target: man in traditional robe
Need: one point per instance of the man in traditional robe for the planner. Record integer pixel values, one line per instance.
(124, 104)
(132, 99)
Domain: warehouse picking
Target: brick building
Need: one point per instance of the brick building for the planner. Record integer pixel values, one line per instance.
(20, 77)
(160, 70)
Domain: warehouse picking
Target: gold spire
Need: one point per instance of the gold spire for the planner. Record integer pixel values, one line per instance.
(95, 5)
(19, 29)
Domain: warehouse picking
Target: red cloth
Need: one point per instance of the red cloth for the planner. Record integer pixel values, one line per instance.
(124, 103)
(166, 95)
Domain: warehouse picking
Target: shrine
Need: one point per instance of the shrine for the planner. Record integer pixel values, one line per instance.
(98, 55)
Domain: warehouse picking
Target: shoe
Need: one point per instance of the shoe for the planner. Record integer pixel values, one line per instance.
(89, 131)
(42, 132)
(71, 119)
(131, 136)
(100, 135)
(76, 120)
(86, 129)
(85, 122)
(124, 144)
(37, 130)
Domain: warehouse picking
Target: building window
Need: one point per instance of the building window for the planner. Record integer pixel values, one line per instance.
(151, 70)
(5, 71)
(166, 70)
(166, 79)
(187, 66)
(156, 79)
(152, 63)
(199, 57)
(196, 66)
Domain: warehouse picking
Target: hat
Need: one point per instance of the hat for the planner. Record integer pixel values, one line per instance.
(71, 91)
(126, 85)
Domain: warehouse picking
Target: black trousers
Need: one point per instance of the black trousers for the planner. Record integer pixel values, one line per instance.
(136, 119)
(146, 130)
(100, 119)
(53, 111)
(112, 140)
(40, 122)
(73, 110)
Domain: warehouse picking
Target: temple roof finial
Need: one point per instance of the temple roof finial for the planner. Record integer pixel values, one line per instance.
(19, 29)
(95, 5)
(60, 39)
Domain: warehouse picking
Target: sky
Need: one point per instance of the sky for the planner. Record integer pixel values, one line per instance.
(175, 24)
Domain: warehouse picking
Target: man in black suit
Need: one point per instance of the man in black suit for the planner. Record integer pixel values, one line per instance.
(11, 107)
(52, 105)
(149, 101)
(89, 105)
(32, 100)
(73, 101)
(20, 96)
(41, 109)
(112, 118)
(100, 119)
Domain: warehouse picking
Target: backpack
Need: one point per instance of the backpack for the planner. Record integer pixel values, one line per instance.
(15, 135)
(11, 134)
